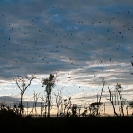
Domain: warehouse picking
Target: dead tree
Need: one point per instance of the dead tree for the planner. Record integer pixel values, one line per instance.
(42, 105)
(99, 102)
(67, 104)
(65, 107)
(27, 108)
(103, 81)
(111, 100)
(95, 107)
(79, 109)
(23, 83)
(59, 101)
(104, 109)
(118, 89)
(36, 97)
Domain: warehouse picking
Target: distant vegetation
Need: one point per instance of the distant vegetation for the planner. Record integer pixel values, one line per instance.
(65, 107)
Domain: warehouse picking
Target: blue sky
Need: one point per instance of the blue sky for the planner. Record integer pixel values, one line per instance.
(83, 40)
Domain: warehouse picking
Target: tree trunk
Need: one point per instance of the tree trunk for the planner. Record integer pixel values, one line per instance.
(127, 110)
(112, 102)
(49, 105)
(104, 108)
(27, 108)
(21, 104)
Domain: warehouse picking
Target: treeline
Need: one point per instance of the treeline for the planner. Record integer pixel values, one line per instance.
(65, 107)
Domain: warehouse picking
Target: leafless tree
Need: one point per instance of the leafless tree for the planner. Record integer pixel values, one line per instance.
(99, 102)
(23, 83)
(67, 106)
(116, 97)
(59, 102)
(111, 100)
(118, 89)
(42, 105)
(36, 97)
(95, 106)
(79, 109)
(103, 81)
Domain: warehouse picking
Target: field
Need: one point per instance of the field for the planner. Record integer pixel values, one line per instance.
(67, 125)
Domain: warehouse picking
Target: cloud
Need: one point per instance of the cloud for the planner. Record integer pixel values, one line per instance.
(88, 40)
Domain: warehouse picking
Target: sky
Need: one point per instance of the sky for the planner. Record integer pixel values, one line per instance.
(83, 40)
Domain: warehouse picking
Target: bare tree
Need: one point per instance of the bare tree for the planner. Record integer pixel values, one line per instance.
(42, 105)
(59, 101)
(111, 100)
(118, 89)
(23, 83)
(79, 109)
(36, 97)
(95, 106)
(99, 102)
(68, 105)
(103, 81)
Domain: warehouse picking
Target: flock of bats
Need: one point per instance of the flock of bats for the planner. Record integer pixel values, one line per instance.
(41, 52)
